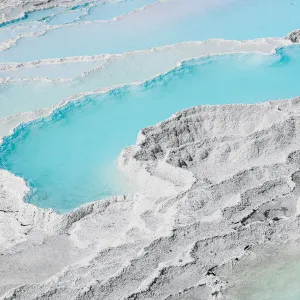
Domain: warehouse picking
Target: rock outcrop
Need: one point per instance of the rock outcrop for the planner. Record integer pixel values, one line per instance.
(294, 36)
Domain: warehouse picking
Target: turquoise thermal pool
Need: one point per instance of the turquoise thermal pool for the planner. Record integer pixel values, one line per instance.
(69, 158)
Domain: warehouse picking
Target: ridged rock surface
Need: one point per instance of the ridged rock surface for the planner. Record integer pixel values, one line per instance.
(228, 180)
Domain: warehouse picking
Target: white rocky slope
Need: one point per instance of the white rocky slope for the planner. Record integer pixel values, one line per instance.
(221, 181)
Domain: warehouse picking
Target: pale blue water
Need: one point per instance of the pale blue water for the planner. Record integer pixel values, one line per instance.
(230, 19)
(39, 15)
(86, 12)
(100, 11)
(66, 17)
(109, 10)
(69, 158)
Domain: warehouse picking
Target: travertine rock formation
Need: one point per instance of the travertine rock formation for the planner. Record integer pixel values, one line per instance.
(294, 36)
(220, 182)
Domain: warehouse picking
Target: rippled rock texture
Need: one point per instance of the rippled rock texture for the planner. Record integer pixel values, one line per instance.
(228, 179)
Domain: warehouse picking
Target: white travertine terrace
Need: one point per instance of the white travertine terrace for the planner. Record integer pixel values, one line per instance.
(169, 56)
(220, 180)
(217, 183)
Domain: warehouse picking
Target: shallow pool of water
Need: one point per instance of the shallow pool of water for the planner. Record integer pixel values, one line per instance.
(168, 22)
(68, 159)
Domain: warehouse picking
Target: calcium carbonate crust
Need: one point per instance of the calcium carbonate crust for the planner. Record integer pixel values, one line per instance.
(220, 182)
